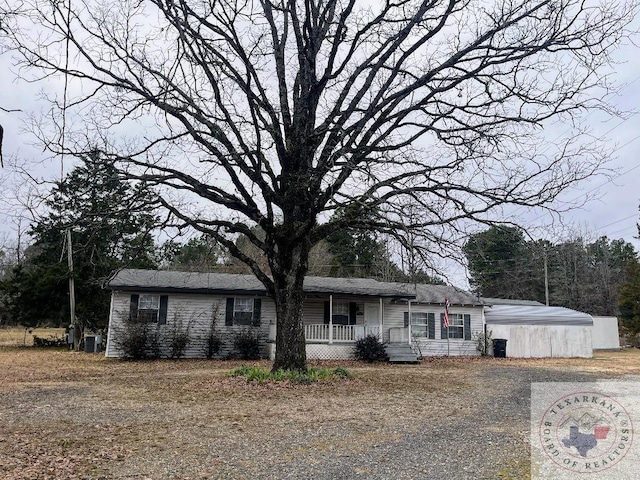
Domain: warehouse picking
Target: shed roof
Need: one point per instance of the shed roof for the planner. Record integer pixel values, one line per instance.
(535, 315)
(225, 283)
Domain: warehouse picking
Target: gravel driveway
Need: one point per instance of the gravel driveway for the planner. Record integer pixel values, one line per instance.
(485, 435)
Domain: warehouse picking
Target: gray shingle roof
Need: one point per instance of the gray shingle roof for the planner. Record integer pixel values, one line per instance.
(196, 282)
(509, 301)
(437, 294)
(168, 280)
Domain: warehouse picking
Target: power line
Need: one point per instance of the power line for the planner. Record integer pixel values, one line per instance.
(617, 221)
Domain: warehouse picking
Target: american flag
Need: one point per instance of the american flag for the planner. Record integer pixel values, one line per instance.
(446, 312)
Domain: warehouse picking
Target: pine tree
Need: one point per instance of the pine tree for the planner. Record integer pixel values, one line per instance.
(111, 225)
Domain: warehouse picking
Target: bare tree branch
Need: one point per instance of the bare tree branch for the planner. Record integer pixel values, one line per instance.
(412, 118)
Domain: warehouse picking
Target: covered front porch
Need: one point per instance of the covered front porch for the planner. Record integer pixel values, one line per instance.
(344, 320)
(340, 320)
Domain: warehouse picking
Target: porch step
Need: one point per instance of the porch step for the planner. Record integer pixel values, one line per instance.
(401, 353)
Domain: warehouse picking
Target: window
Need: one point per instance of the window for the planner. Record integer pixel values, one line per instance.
(344, 313)
(456, 325)
(341, 313)
(148, 308)
(243, 311)
(459, 326)
(423, 324)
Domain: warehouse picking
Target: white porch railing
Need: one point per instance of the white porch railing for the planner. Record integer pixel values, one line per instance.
(341, 333)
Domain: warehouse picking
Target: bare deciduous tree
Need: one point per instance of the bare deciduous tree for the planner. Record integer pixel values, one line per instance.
(276, 113)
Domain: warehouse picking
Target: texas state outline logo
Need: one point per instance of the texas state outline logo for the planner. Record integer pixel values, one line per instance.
(586, 432)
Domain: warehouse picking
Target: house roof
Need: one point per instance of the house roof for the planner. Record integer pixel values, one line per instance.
(436, 294)
(230, 283)
(196, 282)
(535, 315)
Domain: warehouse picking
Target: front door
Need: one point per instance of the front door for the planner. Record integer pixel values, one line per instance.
(372, 314)
(372, 319)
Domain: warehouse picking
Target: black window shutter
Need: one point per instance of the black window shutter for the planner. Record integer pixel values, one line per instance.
(443, 331)
(162, 314)
(406, 319)
(431, 325)
(467, 327)
(228, 321)
(353, 309)
(133, 307)
(326, 313)
(257, 305)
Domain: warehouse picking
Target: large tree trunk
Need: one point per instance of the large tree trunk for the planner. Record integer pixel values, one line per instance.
(288, 276)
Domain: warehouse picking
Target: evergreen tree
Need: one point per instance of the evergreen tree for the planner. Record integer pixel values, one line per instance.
(496, 258)
(199, 254)
(582, 276)
(630, 298)
(110, 224)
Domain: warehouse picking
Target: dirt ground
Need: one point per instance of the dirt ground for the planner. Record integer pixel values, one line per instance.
(66, 415)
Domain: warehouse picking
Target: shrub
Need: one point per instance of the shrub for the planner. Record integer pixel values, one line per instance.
(134, 341)
(139, 341)
(213, 344)
(213, 341)
(247, 344)
(483, 340)
(180, 338)
(370, 349)
(179, 342)
(49, 342)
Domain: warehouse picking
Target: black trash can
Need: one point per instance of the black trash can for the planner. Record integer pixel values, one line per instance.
(500, 347)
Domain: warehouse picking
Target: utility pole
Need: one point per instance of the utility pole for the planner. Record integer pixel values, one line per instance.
(72, 292)
(546, 278)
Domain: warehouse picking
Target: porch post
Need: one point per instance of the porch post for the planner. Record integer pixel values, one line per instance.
(409, 325)
(330, 319)
(380, 317)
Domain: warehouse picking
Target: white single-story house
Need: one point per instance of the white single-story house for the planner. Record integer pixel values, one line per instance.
(337, 312)
(535, 330)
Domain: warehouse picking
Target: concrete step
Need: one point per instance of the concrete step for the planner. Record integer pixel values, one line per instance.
(400, 353)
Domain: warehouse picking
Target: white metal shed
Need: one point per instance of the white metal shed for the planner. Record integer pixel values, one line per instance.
(605, 333)
(535, 331)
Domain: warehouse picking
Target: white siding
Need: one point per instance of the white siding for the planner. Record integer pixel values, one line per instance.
(454, 347)
(187, 312)
(195, 312)
(394, 318)
(314, 311)
(605, 333)
(539, 341)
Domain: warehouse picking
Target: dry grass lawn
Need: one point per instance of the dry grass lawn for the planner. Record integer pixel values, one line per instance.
(72, 415)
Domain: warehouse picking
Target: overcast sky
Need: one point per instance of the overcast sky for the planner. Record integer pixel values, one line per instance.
(614, 211)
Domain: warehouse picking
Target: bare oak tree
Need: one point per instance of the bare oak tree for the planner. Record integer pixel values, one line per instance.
(278, 113)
